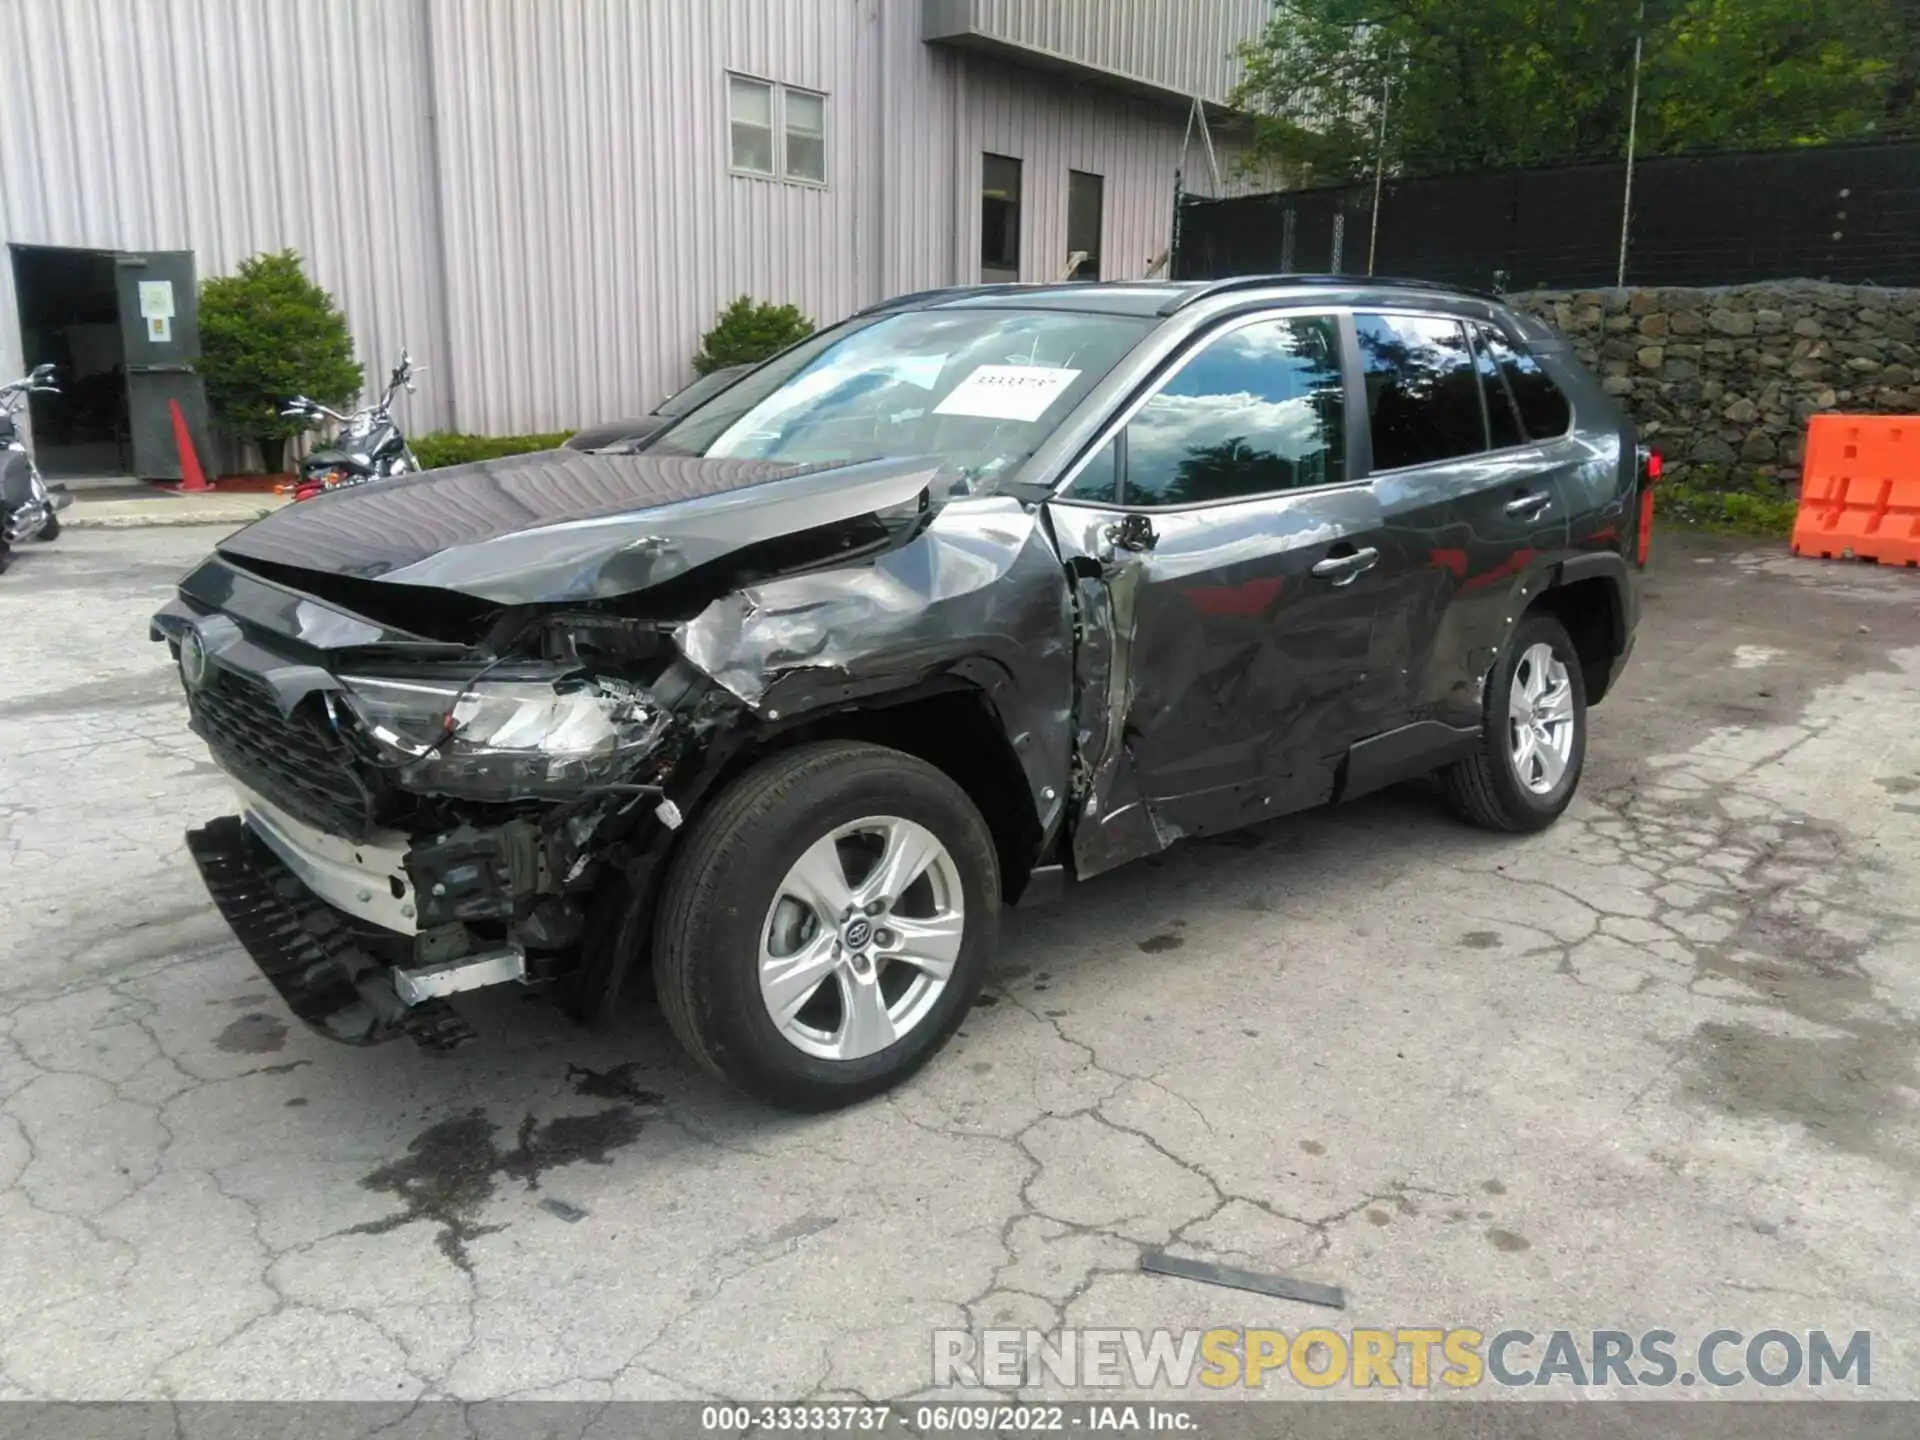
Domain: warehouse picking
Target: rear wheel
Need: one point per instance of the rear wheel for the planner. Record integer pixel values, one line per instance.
(827, 924)
(1534, 740)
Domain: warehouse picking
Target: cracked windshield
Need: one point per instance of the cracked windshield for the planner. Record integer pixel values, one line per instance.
(977, 388)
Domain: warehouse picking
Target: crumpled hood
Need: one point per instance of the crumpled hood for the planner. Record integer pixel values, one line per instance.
(564, 525)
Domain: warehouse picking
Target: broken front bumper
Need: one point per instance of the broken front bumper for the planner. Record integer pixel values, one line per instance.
(330, 970)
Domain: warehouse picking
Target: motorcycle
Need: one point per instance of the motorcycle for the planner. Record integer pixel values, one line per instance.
(368, 447)
(29, 507)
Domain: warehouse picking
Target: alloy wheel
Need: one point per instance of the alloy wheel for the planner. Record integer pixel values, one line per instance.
(1540, 719)
(861, 938)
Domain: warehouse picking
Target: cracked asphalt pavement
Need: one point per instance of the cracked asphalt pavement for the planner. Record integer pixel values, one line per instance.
(1652, 1069)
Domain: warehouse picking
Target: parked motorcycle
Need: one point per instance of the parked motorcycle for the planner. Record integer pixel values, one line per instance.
(29, 507)
(368, 447)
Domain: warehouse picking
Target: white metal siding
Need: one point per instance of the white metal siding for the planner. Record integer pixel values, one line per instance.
(1188, 46)
(592, 228)
(230, 127)
(534, 194)
(1052, 126)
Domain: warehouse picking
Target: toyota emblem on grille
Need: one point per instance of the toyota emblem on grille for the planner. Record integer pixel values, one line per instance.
(193, 659)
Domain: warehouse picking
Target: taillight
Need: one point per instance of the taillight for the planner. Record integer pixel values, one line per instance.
(1650, 468)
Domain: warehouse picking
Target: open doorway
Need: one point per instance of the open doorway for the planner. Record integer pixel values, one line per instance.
(70, 318)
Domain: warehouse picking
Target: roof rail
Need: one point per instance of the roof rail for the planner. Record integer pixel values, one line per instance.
(1206, 290)
(922, 297)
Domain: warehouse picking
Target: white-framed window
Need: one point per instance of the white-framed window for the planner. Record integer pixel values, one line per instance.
(804, 122)
(750, 125)
(776, 132)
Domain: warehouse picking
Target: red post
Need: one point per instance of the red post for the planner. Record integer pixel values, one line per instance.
(192, 477)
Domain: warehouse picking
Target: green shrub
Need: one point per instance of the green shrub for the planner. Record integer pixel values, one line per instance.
(267, 334)
(1752, 511)
(439, 448)
(747, 333)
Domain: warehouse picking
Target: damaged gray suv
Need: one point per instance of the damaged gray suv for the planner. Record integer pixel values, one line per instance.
(978, 588)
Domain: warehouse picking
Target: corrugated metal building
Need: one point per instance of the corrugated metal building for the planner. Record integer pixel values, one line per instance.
(549, 200)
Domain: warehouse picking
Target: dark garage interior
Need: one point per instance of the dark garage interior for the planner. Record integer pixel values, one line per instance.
(70, 317)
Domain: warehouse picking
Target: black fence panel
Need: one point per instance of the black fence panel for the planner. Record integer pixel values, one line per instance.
(1844, 213)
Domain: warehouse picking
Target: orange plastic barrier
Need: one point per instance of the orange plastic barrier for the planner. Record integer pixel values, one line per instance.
(1860, 490)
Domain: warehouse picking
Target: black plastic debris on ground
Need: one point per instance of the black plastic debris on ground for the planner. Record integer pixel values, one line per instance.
(1284, 1287)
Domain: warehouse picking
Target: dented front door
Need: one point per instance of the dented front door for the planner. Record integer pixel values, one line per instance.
(1227, 577)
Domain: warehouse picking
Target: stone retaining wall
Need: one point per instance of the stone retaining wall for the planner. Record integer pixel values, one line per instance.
(1726, 378)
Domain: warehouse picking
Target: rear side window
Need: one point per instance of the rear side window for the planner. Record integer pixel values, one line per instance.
(1423, 392)
(1256, 410)
(1543, 409)
(1503, 420)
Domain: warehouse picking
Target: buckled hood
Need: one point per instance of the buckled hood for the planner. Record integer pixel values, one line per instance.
(565, 525)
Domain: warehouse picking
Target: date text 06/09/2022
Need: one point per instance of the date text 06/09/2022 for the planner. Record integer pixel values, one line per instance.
(948, 1417)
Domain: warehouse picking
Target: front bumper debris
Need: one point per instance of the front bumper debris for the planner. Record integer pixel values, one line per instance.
(323, 969)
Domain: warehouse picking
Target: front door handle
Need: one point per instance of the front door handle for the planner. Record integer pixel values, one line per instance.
(1345, 569)
(1530, 505)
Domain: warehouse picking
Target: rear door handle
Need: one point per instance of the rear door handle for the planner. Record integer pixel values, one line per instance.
(1535, 503)
(1345, 569)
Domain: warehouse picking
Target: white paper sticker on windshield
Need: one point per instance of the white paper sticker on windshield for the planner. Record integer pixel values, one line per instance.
(1007, 392)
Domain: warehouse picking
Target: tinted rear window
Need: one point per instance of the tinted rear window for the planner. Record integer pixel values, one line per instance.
(1503, 420)
(1543, 409)
(1423, 394)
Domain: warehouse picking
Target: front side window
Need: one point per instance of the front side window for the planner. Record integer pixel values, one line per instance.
(975, 389)
(1423, 394)
(1258, 410)
(750, 120)
(806, 136)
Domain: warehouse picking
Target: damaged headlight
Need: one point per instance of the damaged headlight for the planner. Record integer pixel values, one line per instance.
(505, 739)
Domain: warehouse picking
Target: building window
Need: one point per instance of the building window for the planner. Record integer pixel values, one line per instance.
(793, 148)
(1086, 198)
(805, 124)
(750, 115)
(999, 218)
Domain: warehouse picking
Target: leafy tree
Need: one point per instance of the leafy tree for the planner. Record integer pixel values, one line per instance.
(267, 334)
(1492, 84)
(748, 332)
(1738, 74)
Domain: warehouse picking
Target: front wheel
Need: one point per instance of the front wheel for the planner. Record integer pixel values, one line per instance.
(827, 924)
(1534, 735)
(50, 530)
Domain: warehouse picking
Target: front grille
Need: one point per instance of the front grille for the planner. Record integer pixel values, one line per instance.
(296, 761)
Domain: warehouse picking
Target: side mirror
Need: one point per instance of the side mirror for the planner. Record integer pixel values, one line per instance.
(42, 373)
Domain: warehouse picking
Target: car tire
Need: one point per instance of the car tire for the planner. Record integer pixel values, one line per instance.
(51, 530)
(729, 907)
(1488, 788)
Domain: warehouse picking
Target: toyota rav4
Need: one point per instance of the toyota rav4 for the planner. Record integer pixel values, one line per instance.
(978, 588)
